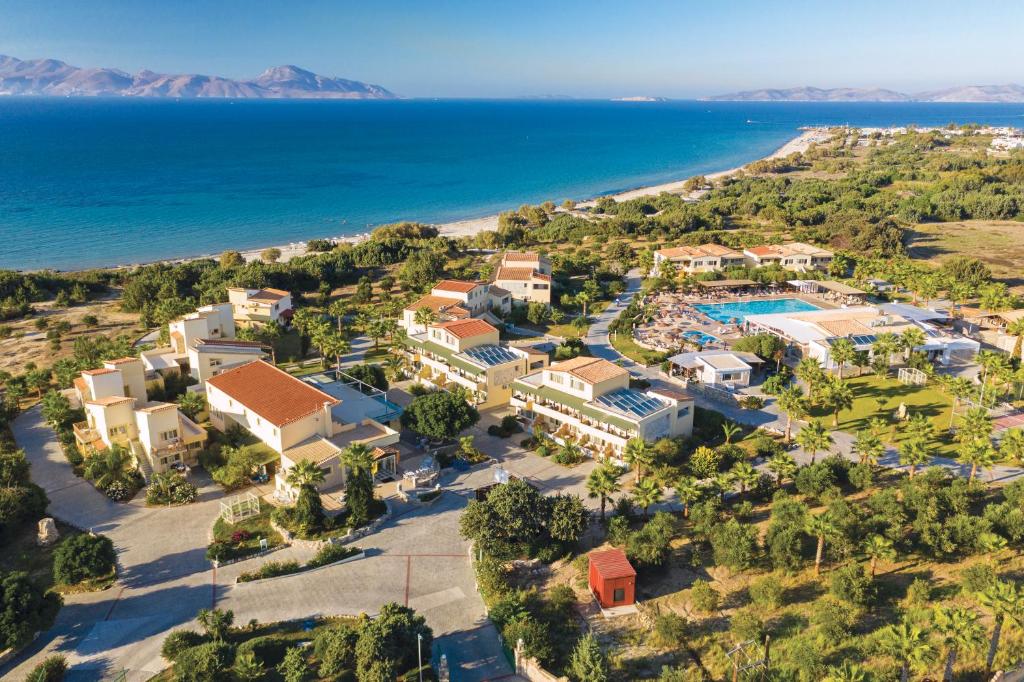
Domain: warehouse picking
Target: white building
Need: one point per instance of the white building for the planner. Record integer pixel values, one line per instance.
(260, 306)
(209, 357)
(589, 401)
(703, 258)
(453, 299)
(796, 256)
(721, 368)
(526, 275)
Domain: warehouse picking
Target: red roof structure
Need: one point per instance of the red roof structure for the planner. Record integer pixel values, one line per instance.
(612, 578)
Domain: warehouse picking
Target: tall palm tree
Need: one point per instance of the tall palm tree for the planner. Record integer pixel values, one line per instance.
(646, 493)
(960, 388)
(914, 453)
(783, 466)
(976, 453)
(744, 474)
(1011, 446)
(1016, 328)
(688, 491)
(975, 424)
(842, 351)
(638, 454)
(425, 316)
(602, 483)
(878, 547)
(884, 346)
(992, 364)
(1001, 599)
(838, 396)
(358, 458)
(730, 429)
(304, 473)
(909, 645)
(793, 402)
(911, 338)
(570, 452)
(960, 631)
(868, 447)
(809, 371)
(814, 438)
(108, 467)
(821, 528)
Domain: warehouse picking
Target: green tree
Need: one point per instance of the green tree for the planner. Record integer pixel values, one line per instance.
(587, 662)
(688, 490)
(814, 438)
(568, 518)
(602, 483)
(109, 467)
(1002, 599)
(24, 609)
(247, 667)
(960, 631)
(976, 453)
(389, 643)
(837, 396)
(783, 466)
(730, 429)
(56, 409)
(358, 484)
(439, 415)
(83, 557)
(638, 454)
(914, 453)
(293, 666)
(52, 669)
(191, 403)
(884, 346)
(868, 447)
(821, 528)
(878, 547)
(794, 404)
(216, 623)
(646, 493)
(843, 352)
(909, 645)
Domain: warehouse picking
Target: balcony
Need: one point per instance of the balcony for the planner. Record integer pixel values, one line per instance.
(85, 434)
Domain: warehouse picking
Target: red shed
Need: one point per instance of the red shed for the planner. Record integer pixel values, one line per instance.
(612, 578)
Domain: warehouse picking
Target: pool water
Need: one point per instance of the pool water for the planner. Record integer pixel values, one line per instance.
(700, 337)
(738, 311)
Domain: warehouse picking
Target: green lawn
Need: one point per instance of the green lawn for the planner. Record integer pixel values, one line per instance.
(377, 355)
(874, 397)
(625, 344)
(253, 529)
(21, 553)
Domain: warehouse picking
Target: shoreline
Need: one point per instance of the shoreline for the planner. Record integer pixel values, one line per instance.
(472, 226)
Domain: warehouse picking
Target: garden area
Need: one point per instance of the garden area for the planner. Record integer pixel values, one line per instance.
(328, 554)
(233, 458)
(242, 539)
(381, 648)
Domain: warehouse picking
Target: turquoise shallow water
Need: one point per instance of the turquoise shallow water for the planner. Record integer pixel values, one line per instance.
(102, 182)
(738, 311)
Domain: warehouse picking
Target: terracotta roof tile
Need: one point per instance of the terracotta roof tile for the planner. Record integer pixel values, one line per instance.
(612, 563)
(591, 370)
(521, 256)
(456, 285)
(463, 329)
(122, 361)
(270, 392)
(110, 400)
(98, 372)
(515, 274)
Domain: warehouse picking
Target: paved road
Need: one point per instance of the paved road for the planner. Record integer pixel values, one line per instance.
(416, 558)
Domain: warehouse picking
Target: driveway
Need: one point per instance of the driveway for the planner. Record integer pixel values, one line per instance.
(417, 558)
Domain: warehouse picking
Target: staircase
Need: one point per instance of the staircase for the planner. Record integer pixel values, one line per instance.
(142, 460)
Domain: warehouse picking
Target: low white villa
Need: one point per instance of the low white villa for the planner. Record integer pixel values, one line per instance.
(812, 333)
(296, 420)
(156, 434)
(452, 299)
(589, 401)
(703, 258)
(796, 256)
(721, 368)
(209, 357)
(260, 306)
(526, 275)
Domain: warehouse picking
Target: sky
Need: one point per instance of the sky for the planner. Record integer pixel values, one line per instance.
(577, 48)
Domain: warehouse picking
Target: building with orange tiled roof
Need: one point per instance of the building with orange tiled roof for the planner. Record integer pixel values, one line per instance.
(703, 258)
(453, 299)
(260, 306)
(468, 353)
(526, 275)
(796, 256)
(589, 401)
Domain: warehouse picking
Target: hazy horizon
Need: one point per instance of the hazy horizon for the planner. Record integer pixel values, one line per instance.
(575, 49)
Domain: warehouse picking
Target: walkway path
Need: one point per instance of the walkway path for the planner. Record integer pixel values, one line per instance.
(416, 558)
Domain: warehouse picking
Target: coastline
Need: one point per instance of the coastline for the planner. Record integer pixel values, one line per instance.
(472, 226)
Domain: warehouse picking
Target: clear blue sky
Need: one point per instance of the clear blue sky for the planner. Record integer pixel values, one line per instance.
(583, 48)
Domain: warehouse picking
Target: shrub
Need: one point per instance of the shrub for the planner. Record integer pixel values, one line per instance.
(734, 544)
(335, 649)
(670, 630)
(751, 402)
(83, 557)
(862, 476)
(271, 569)
(815, 480)
(119, 491)
(52, 669)
(703, 597)
(852, 585)
(977, 578)
(330, 553)
(919, 593)
(202, 663)
(833, 619)
(766, 592)
(745, 625)
(180, 640)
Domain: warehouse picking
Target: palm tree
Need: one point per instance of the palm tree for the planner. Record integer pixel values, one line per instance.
(425, 317)
(820, 527)
(646, 493)
(959, 388)
(783, 466)
(868, 447)
(814, 438)
(838, 396)
(1016, 328)
(108, 467)
(914, 453)
(911, 338)
(992, 363)
(842, 351)
(638, 454)
(730, 429)
(570, 452)
(602, 483)
(358, 458)
(975, 425)
(809, 371)
(164, 482)
(960, 631)
(744, 474)
(304, 473)
(688, 491)
(908, 644)
(845, 672)
(1001, 600)
(1011, 446)
(794, 404)
(977, 453)
(884, 346)
(215, 622)
(878, 547)
(959, 293)
(582, 299)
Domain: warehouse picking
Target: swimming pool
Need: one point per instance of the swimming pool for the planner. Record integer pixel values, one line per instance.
(738, 311)
(700, 337)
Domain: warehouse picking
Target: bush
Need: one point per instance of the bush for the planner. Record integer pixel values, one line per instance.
(271, 569)
(52, 669)
(766, 592)
(171, 488)
(670, 630)
(180, 640)
(703, 597)
(862, 476)
(746, 625)
(852, 585)
(203, 663)
(335, 649)
(815, 480)
(24, 609)
(734, 544)
(977, 578)
(330, 553)
(751, 402)
(833, 619)
(83, 557)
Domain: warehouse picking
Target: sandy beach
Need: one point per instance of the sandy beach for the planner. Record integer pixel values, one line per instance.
(472, 226)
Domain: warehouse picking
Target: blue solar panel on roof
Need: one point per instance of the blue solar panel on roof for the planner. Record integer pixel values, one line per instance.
(630, 402)
(491, 355)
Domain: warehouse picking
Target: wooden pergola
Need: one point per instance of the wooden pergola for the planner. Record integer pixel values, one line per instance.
(719, 284)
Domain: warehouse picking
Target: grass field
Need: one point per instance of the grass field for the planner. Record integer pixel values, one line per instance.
(997, 243)
(628, 347)
(874, 397)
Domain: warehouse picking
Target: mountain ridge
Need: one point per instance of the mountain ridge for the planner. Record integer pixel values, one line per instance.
(1008, 93)
(52, 77)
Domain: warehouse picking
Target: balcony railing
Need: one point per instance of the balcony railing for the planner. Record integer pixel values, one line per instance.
(85, 433)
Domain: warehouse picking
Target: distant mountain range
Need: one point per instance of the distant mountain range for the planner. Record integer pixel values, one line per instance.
(968, 93)
(55, 78)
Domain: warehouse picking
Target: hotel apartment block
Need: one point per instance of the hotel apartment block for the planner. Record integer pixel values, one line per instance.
(453, 299)
(589, 401)
(795, 256)
(526, 275)
(260, 306)
(467, 353)
(703, 258)
(156, 434)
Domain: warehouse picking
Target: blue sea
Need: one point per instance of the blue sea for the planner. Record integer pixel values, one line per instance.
(94, 182)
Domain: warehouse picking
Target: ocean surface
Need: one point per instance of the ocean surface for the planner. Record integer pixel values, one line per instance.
(97, 182)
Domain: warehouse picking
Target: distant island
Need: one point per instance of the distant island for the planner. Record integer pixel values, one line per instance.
(969, 93)
(51, 77)
(639, 98)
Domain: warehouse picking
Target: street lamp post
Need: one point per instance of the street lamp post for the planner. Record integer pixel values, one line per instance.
(419, 653)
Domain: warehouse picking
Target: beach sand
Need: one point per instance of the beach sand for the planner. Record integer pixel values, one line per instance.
(473, 226)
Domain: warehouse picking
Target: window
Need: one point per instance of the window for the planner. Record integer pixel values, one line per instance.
(683, 411)
(116, 430)
(619, 595)
(578, 385)
(169, 435)
(214, 362)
